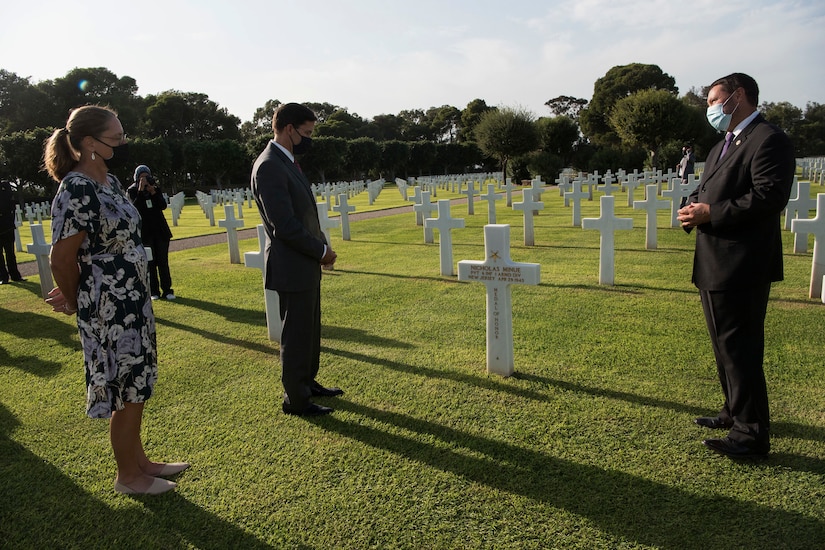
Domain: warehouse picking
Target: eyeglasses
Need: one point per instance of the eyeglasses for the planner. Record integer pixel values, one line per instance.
(121, 140)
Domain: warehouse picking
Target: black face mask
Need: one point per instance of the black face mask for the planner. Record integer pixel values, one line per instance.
(302, 146)
(120, 156)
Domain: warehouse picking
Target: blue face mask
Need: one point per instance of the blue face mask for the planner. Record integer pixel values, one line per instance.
(718, 118)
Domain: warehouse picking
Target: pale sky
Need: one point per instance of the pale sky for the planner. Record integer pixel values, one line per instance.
(384, 56)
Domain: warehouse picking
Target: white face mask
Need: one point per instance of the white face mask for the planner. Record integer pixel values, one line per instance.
(718, 118)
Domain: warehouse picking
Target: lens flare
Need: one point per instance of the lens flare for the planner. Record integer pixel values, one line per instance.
(83, 85)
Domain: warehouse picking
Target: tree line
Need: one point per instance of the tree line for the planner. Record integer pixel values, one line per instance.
(635, 119)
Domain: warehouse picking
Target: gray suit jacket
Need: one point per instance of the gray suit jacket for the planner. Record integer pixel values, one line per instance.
(294, 240)
(747, 190)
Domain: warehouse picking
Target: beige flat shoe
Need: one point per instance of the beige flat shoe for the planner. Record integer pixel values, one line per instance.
(157, 487)
(173, 468)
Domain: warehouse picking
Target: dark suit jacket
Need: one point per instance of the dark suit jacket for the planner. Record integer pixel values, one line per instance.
(294, 240)
(747, 190)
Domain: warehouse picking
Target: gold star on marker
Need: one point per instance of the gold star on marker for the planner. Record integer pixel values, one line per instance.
(495, 256)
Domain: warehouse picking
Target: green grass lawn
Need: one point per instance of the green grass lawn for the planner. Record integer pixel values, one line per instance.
(590, 444)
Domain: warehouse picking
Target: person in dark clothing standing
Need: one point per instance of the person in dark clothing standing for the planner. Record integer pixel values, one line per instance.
(145, 194)
(736, 213)
(8, 266)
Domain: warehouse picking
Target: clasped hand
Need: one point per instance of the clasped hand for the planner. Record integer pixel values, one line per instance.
(59, 303)
(696, 213)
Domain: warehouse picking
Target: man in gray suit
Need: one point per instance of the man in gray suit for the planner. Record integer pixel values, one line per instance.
(736, 212)
(295, 251)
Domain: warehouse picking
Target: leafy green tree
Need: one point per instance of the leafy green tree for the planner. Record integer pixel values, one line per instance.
(363, 156)
(155, 154)
(223, 162)
(394, 155)
(697, 97)
(188, 115)
(384, 127)
(565, 105)
(559, 136)
(649, 119)
(22, 153)
(783, 114)
(457, 158)
(96, 85)
(422, 157)
(444, 122)
(619, 82)
(415, 126)
(261, 123)
(326, 158)
(470, 117)
(809, 138)
(341, 124)
(23, 106)
(507, 133)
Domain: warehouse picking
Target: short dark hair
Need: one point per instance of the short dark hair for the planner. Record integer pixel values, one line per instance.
(740, 80)
(292, 113)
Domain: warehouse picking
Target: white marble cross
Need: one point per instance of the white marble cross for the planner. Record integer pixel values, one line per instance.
(344, 208)
(425, 210)
(607, 188)
(231, 224)
(538, 188)
(445, 223)
(631, 183)
(498, 272)
(677, 192)
(272, 304)
(491, 199)
(816, 227)
(606, 224)
(651, 204)
(576, 195)
(508, 192)
(471, 196)
(325, 221)
(41, 249)
(176, 202)
(209, 209)
(416, 199)
(799, 207)
(528, 206)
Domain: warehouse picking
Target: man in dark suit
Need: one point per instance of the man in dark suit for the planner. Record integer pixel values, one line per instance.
(295, 251)
(735, 210)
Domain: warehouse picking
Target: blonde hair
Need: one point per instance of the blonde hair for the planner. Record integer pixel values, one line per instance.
(61, 152)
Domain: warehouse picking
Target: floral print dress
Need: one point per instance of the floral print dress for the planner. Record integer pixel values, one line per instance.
(114, 310)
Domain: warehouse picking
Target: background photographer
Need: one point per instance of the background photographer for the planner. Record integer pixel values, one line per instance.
(146, 195)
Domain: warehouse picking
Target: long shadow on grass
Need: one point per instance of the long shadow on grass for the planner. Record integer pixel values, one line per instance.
(222, 338)
(348, 334)
(626, 506)
(234, 314)
(27, 325)
(405, 276)
(40, 507)
(778, 429)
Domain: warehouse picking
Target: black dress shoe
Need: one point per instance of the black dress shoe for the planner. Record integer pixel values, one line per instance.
(320, 391)
(728, 447)
(312, 409)
(714, 422)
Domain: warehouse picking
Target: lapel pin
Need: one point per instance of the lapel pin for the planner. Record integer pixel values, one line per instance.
(738, 141)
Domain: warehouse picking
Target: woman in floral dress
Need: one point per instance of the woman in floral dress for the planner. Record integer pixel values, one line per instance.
(100, 268)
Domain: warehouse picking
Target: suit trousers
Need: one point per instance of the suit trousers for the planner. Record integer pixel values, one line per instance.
(300, 344)
(736, 323)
